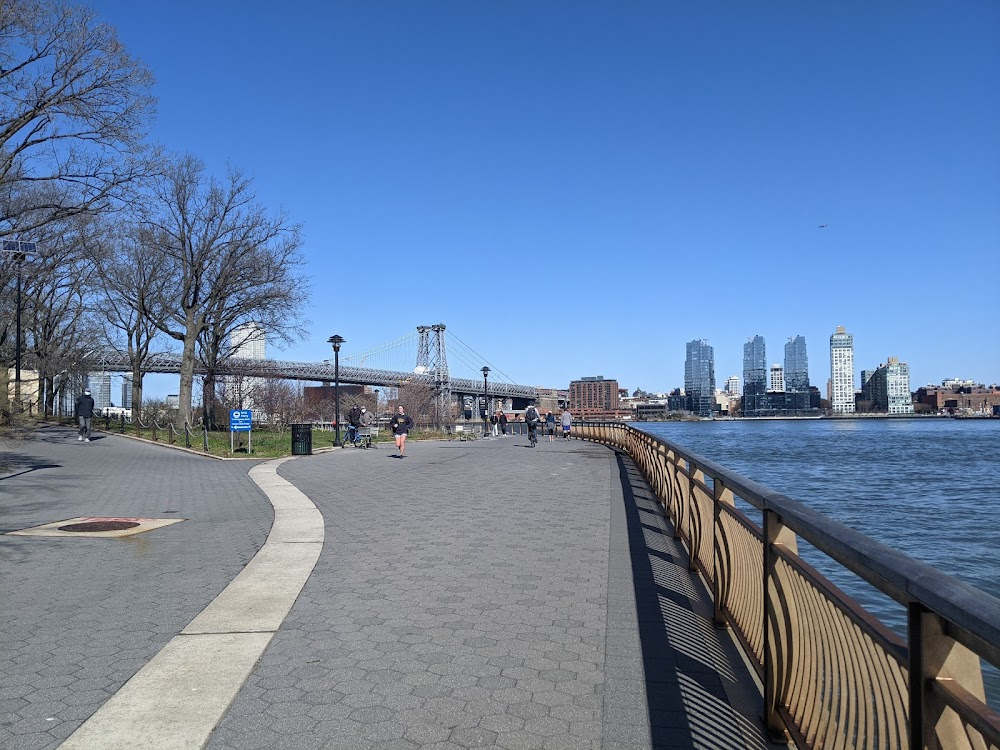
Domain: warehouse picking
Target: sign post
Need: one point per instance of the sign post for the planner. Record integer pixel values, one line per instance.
(240, 420)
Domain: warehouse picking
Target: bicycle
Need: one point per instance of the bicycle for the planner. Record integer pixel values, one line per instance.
(533, 434)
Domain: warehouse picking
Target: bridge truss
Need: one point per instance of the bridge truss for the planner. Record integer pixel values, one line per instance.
(436, 378)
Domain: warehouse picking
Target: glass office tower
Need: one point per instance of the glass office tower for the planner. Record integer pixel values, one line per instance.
(699, 378)
(754, 376)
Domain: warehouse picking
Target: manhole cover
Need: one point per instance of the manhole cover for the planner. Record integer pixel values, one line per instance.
(99, 526)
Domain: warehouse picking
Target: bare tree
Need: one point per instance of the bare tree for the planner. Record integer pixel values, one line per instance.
(74, 109)
(126, 285)
(219, 248)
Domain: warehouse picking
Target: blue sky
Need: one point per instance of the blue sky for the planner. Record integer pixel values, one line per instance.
(579, 188)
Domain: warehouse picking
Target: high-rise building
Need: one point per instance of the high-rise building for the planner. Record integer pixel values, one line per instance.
(796, 365)
(842, 372)
(126, 392)
(777, 384)
(888, 387)
(100, 388)
(699, 377)
(754, 376)
(246, 342)
(594, 397)
(733, 385)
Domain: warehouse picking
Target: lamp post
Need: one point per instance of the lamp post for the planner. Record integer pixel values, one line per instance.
(18, 250)
(486, 403)
(376, 407)
(336, 341)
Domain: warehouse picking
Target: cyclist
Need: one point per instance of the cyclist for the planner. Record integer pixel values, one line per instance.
(532, 418)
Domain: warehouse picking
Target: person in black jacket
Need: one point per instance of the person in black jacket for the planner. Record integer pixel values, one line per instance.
(401, 424)
(85, 414)
(353, 423)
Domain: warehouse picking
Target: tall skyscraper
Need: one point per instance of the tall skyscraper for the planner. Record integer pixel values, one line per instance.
(100, 388)
(777, 383)
(754, 376)
(699, 377)
(126, 391)
(796, 365)
(246, 342)
(842, 372)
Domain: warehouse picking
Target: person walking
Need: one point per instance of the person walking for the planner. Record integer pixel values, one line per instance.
(400, 425)
(502, 418)
(495, 421)
(550, 426)
(85, 414)
(567, 421)
(353, 423)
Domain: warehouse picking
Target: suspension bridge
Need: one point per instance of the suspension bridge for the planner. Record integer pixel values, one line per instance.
(430, 369)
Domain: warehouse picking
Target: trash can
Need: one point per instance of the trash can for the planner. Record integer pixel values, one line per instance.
(302, 440)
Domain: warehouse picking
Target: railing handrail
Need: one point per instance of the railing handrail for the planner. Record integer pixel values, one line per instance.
(896, 574)
(926, 688)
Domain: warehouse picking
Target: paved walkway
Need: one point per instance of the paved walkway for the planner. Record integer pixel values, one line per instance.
(477, 594)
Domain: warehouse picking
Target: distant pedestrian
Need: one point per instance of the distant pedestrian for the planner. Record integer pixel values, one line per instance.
(550, 426)
(495, 421)
(85, 414)
(502, 418)
(401, 424)
(353, 423)
(567, 421)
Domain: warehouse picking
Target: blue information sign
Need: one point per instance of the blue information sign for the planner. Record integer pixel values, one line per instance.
(240, 420)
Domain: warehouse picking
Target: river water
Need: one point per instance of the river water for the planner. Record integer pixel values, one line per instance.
(927, 487)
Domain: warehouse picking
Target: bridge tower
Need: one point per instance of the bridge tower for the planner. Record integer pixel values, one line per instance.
(423, 349)
(442, 378)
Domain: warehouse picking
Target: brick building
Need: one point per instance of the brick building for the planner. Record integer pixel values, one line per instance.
(977, 398)
(595, 398)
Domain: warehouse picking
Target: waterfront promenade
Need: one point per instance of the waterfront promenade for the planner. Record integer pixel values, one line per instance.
(473, 594)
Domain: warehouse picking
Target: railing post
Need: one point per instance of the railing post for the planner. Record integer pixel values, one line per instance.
(187, 434)
(693, 531)
(720, 573)
(935, 656)
(915, 673)
(777, 634)
(170, 433)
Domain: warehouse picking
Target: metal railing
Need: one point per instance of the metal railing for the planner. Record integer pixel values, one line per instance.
(834, 676)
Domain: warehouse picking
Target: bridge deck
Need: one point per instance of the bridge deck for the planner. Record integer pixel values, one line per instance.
(476, 594)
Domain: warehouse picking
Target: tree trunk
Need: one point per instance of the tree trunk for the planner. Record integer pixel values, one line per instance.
(137, 392)
(184, 413)
(208, 400)
(4, 394)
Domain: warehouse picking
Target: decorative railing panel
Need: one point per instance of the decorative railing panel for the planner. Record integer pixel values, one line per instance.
(834, 676)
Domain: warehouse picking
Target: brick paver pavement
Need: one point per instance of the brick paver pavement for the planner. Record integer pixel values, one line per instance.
(483, 595)
(479, 594)
(78, 617)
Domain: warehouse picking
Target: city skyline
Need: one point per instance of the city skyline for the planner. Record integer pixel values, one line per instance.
(635, 161)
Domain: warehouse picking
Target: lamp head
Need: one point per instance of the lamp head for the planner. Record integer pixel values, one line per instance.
(486, 371)
(336, 341)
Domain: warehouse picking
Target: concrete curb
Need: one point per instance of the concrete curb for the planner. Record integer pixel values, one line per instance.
(179, 696)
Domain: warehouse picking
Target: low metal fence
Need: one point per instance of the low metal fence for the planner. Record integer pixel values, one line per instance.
(834, 675)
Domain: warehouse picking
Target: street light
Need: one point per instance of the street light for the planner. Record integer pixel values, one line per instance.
(336, 341)
(376, 407)
(18, 250)
(486, 402)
